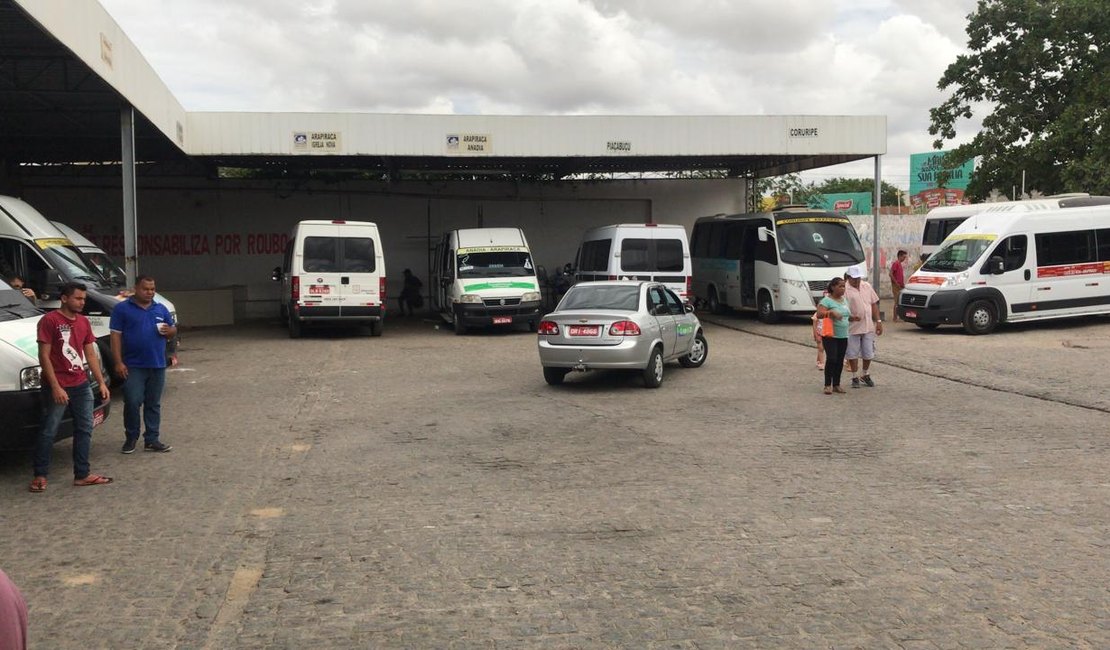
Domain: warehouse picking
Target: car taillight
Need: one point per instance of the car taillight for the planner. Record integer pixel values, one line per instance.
(296, 288)
(624, 328)
(381, 292)
(548, 328)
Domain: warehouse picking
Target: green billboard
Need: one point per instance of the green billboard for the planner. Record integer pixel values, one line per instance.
(925, 168)
(844, 203)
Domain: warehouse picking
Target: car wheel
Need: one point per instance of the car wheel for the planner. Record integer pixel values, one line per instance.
(295, 327)
(376, 328)
(653, 373)
(555, 376)
(715, 302)
(981, 317)
(767, 312)
(699, 352)
(460, 329)
(927, 326)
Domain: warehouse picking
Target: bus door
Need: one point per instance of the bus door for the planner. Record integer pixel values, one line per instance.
(747, 265)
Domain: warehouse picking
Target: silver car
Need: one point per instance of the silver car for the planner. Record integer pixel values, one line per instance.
(620, 325)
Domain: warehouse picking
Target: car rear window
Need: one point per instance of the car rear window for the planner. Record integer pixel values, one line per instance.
(584, 296)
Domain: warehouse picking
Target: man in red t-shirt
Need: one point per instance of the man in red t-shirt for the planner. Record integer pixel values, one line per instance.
(65, 340)
(898, 279)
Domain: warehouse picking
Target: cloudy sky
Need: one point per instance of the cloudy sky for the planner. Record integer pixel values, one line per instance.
(574, 57)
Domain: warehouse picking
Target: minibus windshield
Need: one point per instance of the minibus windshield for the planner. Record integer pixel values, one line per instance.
(958, 255)
(495, 264)
(811, 242)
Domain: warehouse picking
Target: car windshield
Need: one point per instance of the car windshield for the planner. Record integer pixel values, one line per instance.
(958, 254)
(495, 264)
(71, 263)
(13, 305)
(812, 242)
(585, 296)
(106, 267)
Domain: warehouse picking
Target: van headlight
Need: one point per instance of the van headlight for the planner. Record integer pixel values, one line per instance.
(30, 378)
(470, 298)
(958, 279)
(530, 296)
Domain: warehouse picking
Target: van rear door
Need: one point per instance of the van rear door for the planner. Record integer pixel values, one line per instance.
(359, 287)
(320, 272)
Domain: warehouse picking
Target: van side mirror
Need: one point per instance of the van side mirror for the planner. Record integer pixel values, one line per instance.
(997, 265)
(276, 274)
(764, 234)
(49, 284)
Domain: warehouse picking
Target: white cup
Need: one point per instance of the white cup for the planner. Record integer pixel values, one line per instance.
(162, 327)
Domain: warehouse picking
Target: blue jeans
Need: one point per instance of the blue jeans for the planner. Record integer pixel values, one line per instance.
(81, 407)
(143, 389)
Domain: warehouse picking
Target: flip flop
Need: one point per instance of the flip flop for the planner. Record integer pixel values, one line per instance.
(92, 479)
(38, 484)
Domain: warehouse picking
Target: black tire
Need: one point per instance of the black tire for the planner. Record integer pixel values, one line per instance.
(295, 328)
(555, 376)
(715, 306)
(653, 373)
(699, 352)
(460, 328)
(927, 326)
(980, 317)
(767, 313)
(377, 327)
(531, 326)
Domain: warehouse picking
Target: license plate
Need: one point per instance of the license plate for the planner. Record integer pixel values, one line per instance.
(911, 314)
(583, 330)
(319, 288)
(502, 320)
(98, 417)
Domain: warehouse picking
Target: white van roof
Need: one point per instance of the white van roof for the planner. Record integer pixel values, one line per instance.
(335, 222)
(475, 237)
(633, 226)
(1003, 223)
(79, 240)
(19, 219)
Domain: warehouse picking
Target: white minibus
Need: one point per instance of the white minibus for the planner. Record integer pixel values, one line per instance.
(775, 262)
(1014, 266)
(652, 252)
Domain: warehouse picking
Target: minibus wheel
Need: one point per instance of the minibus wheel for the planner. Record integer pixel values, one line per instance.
(715, 302)
(767, 312)
(981, 317)
(460, 329)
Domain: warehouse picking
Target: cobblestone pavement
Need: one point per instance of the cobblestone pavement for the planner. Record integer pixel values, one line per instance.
(423, 490)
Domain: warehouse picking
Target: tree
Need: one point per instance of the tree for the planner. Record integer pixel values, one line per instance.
(1042, 67)
(888, 192)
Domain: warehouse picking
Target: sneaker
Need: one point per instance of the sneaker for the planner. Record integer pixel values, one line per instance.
(855, 382)
(867, 381)
(157, 446)
(128, 447)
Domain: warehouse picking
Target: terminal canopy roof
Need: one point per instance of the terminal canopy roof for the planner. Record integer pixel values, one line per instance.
(67, 70)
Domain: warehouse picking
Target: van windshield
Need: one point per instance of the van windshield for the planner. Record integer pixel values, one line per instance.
(495, 264)
(71, 263)
(812, 242)
(958, 254)
(106, 267)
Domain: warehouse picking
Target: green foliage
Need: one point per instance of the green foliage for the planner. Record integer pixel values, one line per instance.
(1042, 67)
(888, 192)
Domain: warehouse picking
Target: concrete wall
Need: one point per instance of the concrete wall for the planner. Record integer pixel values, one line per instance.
(896, 231)
(201, 235)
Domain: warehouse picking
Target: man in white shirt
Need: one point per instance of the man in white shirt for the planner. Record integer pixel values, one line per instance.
(863, 325)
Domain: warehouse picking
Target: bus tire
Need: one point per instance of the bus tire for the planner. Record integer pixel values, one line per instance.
(460, 328)
(715, 302)
(980, 317)
(767, 313)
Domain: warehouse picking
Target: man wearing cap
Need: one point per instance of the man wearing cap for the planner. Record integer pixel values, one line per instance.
(863, 325)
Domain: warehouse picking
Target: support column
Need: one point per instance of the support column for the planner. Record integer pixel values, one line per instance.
(130, 206)
(876, 202)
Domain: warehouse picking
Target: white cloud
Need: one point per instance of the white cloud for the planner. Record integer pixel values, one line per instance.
(559, 57)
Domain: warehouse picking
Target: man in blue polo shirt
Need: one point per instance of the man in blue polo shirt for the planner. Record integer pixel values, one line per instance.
(140, 328)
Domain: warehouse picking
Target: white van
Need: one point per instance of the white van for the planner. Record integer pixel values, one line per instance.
(1014, 266)
(637, 251)
(774, 262)
(21, 376)
(33, 248)
(108, 268)
(333, 272)
(940, 222)
(485, 276)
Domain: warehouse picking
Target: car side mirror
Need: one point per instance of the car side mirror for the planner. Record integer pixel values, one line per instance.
(50, 283)
(689, 308)
(997, 265)
(276, 274)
